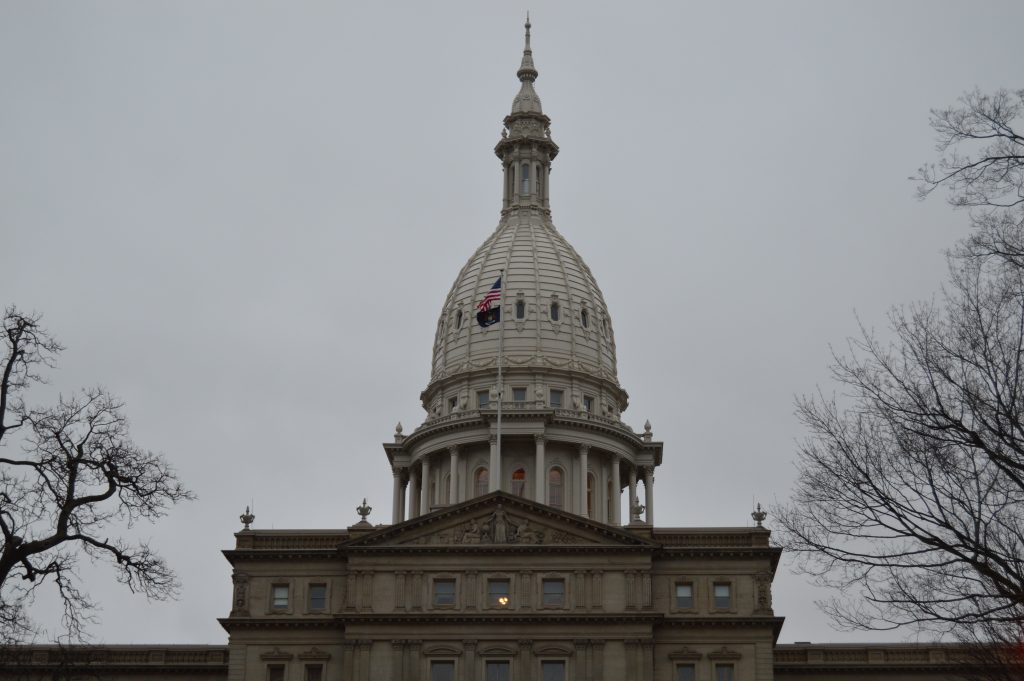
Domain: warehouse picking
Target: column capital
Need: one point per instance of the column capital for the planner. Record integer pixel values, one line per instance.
(453, 449)
(584, 449)
(493, 439)
(539, 438)
(397, 471)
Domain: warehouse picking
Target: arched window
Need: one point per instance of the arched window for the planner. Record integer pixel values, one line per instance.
(591, 491)
(555, 497)
(458, 320)
(481, 482)
(584, 318)
(554, 311)
(525, 171)
(519, 482)
(520, 309)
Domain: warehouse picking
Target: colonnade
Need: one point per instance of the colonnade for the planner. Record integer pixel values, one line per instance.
(417, 480)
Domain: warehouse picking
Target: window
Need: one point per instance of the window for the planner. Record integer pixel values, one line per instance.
(442, 670)
(520, 309)
(317, 596)
(686, 672)
(279, 597)
(588, 404)
(556, 399)
(519, 482)
(554, 312)
(518, 394)
(444, 592)
(591, 484)
(585, 318)
(314, 672)
(684, 595)
(724, 672)
(483, 399)
(498, 593)
(481, 482)
(458, 320)
(555, 487)
(723, 596)
(453, 403)
(275, 672)
(525, 171)
(553, 593)
(497, 670)
(446, 489)
(552, 671)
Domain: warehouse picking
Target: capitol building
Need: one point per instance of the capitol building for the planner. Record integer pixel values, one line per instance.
(523, 541)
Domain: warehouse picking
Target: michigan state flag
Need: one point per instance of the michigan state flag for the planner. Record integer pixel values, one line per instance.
(487, 317)
(489, 314)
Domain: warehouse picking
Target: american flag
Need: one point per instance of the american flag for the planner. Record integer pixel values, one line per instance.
(492, 295)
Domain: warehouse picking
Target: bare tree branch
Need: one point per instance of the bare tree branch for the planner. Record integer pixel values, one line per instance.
(78, 479)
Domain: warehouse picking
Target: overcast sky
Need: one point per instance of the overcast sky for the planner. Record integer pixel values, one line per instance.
(243, 218)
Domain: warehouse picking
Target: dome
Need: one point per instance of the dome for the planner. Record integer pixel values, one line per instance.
(554, 314)
(556, 339)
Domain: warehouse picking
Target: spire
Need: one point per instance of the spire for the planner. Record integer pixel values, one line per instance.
(527, 71)
(526, 148)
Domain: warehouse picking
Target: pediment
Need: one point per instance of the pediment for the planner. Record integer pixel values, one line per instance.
(498, 520)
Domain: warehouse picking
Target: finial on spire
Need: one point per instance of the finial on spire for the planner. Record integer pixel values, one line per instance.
(527, 72)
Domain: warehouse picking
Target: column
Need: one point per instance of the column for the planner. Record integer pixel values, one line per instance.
(581, 659)
(525, 662)
(396, 496)
(455, 484)
(414, 492)
(425, 486)
(584, 450)
(632, 491)
(469, 672)
(649, 493)
(401, 498)
(540, 493)
(616, 518)
(494, 472)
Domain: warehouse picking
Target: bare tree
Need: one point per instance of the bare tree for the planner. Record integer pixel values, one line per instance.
(911, 483)
(981, 164)
(77, 479)
(910, 493)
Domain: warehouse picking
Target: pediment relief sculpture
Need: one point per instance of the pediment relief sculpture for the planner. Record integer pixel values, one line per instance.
(500, 527)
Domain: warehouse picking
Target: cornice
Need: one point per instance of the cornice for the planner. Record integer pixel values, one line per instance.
(504, 618)
(871, 669)
(233, 555)
(726, 622)
(238, 623)
(451, 549)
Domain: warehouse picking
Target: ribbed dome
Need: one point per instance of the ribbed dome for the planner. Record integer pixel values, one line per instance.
(542, 271)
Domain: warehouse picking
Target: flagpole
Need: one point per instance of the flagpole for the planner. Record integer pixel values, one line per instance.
(501, 337)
